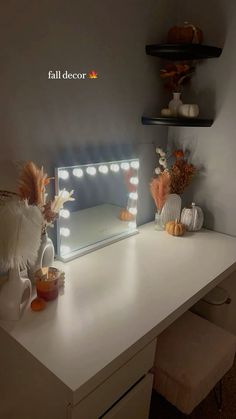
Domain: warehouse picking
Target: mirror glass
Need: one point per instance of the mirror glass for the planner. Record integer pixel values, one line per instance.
(104, 209)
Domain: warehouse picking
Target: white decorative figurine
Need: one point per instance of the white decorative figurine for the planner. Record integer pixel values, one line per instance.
(192, 218)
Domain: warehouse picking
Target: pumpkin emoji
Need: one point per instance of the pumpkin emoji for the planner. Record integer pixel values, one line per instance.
(175, 228)
(125, 215)
(186, 34)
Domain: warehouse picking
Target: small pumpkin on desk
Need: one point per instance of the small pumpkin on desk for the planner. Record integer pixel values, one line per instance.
(175, 228)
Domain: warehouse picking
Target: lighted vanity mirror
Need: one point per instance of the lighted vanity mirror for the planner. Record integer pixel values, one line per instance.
(104, 209)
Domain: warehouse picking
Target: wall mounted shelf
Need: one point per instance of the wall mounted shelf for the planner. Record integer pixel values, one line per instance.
(181, 122)
(186, 52)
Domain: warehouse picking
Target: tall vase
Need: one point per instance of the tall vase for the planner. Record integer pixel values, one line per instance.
(15, 294)
(171, 209)
(175, 103)
(46, 252)
(158, 221)
(45, 256)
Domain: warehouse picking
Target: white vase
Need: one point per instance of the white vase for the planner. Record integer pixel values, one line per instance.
(15, 295)
(45, 256)
(175, 103)
(46, 252)
(171, 209)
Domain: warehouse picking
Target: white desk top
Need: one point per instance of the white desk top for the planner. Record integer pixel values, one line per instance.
(119, 298)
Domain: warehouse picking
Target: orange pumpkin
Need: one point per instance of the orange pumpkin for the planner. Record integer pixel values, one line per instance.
(175, 228)
(38, 304)
(125, 215)
(186, 34)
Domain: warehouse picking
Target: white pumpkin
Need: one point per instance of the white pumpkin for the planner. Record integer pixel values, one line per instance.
(192, 218)
(189, 110)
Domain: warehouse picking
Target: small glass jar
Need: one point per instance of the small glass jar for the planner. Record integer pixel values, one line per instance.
(48, 290)
(158, 221)
(46, 281)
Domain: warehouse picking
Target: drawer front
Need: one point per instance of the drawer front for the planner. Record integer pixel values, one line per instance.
(96, 403)
(135, 404)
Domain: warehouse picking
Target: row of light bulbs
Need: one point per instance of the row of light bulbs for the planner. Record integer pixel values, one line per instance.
(103, 168)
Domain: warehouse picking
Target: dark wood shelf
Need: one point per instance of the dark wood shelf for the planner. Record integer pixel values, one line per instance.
(186, 52)
(181, 122)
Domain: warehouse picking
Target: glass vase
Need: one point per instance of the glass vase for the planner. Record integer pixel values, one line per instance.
(158, 221)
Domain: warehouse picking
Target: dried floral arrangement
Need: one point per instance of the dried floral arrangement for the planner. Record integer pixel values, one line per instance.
(170, 178)
(175, 75)
(32, 187)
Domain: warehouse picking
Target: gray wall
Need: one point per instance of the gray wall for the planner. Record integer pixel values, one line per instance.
(214, 88)
(49, 121)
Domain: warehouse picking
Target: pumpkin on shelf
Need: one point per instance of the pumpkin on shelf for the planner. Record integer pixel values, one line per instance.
(188, 110)
(125, 215)
(186, 34)
(175, 228)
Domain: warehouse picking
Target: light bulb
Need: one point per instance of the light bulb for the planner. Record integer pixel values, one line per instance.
(78, 172)
(63, 174)
(125, 166)
(133, 195)
(135, 164)
(133, 210)
(64, 249)
(134, 181)
(91, 170)
(65, 232)
(64, 213)
(103, 169)
(114, 167)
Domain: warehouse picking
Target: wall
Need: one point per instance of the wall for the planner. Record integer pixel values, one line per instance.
(50, 121)
(214, 86)
(213, 149)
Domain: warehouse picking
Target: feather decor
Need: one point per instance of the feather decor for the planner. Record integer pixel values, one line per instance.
(32, 184)
(160, 188)
(20, 232)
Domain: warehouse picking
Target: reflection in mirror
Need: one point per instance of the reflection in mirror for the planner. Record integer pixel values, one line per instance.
(104, 209)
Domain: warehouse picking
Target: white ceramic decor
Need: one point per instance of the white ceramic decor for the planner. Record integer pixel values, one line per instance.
(46, 252)
(175, 103)
(192, 218)
(15, 294)
(172, 209)
(189, 110)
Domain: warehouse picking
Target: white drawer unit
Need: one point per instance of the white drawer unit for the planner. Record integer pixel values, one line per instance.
(111, 390)
(135, 404)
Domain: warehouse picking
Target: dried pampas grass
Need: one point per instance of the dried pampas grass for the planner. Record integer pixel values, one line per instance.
(32, 184)
(160, 188)
(20, 234)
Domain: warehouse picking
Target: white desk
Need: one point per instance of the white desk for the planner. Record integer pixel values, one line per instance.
(116, 301)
